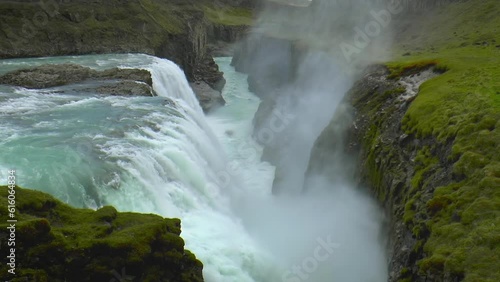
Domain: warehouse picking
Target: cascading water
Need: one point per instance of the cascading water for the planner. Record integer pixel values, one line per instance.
(162, 155)
(144, 154)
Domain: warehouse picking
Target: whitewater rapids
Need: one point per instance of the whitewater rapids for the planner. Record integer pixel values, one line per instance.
(163, 155)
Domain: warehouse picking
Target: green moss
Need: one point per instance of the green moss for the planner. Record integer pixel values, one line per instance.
(460, 106)
(393, 92)
(55, 240)
(407, 68)
(409, 213)
(425, 161)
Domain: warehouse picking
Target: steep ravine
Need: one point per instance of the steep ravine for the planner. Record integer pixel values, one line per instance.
(368, 130)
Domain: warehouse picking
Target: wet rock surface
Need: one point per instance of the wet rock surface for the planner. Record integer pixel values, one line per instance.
(47, 76)
(208, 97)
(125, 88)
(115, 81)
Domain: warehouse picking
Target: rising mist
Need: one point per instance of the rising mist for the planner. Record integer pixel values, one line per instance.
(319, 49)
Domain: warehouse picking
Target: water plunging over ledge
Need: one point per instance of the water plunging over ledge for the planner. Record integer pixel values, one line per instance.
(162, 155)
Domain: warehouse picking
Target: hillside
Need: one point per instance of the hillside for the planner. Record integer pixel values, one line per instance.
(460, 107)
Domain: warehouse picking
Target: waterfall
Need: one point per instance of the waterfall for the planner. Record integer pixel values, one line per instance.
(143, 154)
(163, 155)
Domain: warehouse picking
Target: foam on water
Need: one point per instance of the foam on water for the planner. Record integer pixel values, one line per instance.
(138, 154)
(163, 155)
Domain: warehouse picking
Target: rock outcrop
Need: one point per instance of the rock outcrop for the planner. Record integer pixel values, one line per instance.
(430, 185)
(56, 242)
(208, 97)
(46, 76)
(115, 81)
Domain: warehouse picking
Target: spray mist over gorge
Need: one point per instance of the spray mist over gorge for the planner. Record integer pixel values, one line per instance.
(303, 47)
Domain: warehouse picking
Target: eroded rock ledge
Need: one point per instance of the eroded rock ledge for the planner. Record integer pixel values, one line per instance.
(126, 81)
(115, 81)
(55, 242)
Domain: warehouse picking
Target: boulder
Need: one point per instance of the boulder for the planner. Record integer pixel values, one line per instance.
(47, 76)
(208, 97)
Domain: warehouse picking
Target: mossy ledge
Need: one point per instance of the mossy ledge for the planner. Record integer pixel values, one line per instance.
(56, 242)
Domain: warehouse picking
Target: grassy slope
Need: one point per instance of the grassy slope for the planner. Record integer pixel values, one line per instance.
(461, 106)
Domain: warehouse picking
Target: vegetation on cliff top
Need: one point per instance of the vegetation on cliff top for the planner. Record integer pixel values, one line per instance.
(229, 15)
(461, 107)
(55, 242)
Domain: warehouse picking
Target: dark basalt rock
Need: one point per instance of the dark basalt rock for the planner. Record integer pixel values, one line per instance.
(208, 97)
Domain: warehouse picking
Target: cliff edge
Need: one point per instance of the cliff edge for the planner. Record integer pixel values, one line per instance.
(55, 242)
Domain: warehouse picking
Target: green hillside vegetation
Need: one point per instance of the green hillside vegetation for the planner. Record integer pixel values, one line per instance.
(229, 16)
(136, 24)
(461, 106)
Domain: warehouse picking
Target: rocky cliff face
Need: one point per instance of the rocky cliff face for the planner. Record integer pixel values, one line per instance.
(429, 152)
(55, 242)
(269, 62)
(368, 129)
